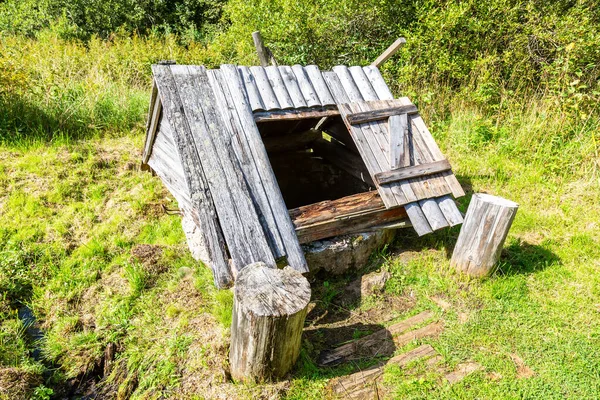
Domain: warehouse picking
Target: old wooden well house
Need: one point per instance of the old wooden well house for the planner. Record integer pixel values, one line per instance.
(262, 160)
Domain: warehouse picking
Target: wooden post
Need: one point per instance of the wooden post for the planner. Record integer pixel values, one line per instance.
(390, 51)
(264, 54)
(269, 309)
(482, 235)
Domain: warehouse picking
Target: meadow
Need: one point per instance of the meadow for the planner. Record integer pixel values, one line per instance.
(98, 293)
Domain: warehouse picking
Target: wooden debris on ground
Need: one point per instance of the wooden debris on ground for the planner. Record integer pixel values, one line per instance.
(382, 342)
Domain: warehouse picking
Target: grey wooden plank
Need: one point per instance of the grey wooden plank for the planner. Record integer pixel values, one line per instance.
(399, 174)
(417, 219)
(308, 91)
(154, 117)
(238, 217)
(434, 215)
(291, 84)
(294, 253)
(336, 88)
(363, 84)
(317, 81)
(380, 114)
(398, 127)
(252, 91)
(200, 195)
(264, 87)
(348, 83)
(283, 97)
(379, 85)
(242, 150)
(449, 209)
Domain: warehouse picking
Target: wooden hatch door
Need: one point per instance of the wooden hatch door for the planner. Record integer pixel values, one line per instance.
(404, 161)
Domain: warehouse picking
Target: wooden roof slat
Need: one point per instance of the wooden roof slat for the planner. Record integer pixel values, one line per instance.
(379, 85)
(308, 91)
(269, 99)
(294, 253)
(252, 91)
(317, 81)
(291, 84)
(200, 196)
(363, 84)
(276, 81)
(238, 218)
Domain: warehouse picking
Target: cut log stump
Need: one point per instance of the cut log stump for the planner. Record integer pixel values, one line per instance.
(482, 235)
(269, 310)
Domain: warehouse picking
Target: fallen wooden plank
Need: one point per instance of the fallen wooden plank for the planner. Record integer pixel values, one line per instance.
(194, 175)
(380, 342)
(415, 171)
(462, 371)
(352, 386)
(238, 217)
(294, 253)
(377, 115)
(352, 214)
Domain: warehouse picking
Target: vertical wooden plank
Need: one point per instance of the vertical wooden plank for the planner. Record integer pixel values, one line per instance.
(308, 91)
(417, 219)
(379, 85)
(276, 81)
(291, 84)
(252, 91)
(200, 195)
(242, 150)
(398, 126)
(363, 84)
(317, 81)
(295, 255)
(451, 212)
(239, 220)
(264, 87)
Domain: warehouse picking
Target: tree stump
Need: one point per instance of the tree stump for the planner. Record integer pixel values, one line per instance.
(482, 235)
(269, 309)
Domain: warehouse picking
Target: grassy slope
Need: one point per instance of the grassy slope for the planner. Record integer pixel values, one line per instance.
(74, 212)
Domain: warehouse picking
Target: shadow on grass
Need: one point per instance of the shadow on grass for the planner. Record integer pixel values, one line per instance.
(523, 258)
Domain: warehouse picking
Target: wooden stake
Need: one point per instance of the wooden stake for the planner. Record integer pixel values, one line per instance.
(269, 309)
(482, 235)
(265, 56)
(390, 51)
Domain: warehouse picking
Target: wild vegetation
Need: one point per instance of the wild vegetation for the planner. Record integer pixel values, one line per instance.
(509, 88)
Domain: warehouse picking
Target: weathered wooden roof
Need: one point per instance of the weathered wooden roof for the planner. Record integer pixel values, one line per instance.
(212, 116)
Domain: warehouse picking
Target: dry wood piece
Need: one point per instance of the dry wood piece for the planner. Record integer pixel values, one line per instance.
(482, 235)
(352, 386)
(263, 53)
(462, 371)
(415, 171)
(352, 214)
(194, 173)
(294, 115)
(377, 115)
(269, 309)
(382, 341)
(390, 51)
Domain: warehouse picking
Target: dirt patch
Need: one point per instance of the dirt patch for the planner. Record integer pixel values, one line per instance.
(17, 384)
(523, 371)
(149, 256)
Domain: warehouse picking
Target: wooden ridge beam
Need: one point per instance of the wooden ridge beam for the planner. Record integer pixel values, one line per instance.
(415, 171)
(377, 115)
